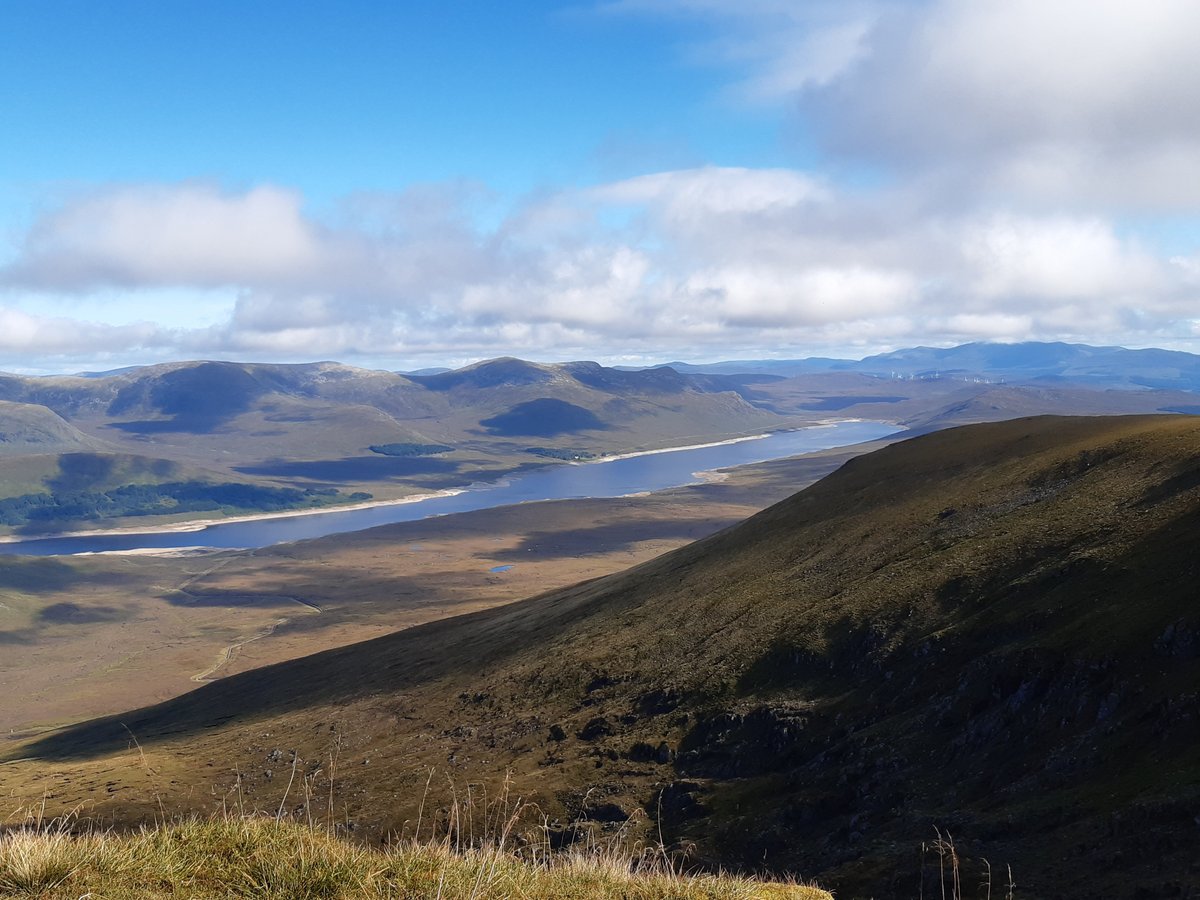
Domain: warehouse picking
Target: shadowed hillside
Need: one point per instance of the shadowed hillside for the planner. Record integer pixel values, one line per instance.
(545, 417)
(30, 429)
(991, 629)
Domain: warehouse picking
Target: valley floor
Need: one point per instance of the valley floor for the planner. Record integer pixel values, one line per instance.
(89, 636)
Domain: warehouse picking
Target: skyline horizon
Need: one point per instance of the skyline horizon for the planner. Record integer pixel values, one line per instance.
(664, 362)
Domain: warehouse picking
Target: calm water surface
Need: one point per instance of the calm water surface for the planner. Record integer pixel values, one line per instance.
(616, 478)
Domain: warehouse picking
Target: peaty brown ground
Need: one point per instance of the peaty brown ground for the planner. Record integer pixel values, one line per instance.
(87, 636)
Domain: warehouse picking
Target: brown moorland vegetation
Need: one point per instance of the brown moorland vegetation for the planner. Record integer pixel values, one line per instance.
(86, 636)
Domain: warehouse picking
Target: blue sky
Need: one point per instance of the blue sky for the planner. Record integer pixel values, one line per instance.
(346, 97)
(410, 184)
(343, 97)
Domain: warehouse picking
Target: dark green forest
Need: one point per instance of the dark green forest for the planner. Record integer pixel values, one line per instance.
(46, 510)
(409, 449)
(556, 453)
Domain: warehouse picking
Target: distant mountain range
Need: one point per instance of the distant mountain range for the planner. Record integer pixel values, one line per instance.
(1079, 364)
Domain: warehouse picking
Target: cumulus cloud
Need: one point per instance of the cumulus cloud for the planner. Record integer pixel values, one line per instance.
(1022, 145)
(697, 259)
(986, 75)
(1063, 104)
(1049, 259)
(1056, 102)
(1011, 145)
(25, 335)
(192, 233)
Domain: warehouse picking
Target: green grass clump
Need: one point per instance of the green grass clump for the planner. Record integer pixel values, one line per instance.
(263, 858)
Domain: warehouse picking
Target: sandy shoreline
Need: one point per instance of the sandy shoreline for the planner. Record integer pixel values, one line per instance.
(617, 456)
(823, 423)
(202, 524)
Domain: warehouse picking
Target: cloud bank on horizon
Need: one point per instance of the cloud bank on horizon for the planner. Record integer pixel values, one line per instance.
(965, 170)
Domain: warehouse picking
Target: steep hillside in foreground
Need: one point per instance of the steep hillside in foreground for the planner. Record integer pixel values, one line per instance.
(991, 629)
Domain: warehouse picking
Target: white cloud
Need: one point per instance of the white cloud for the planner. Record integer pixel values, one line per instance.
(1055, 103)
(1140, 179)
(779, 47)
(989, 326)
(1052, 103)
(192, 233)
(25, 335)
(1042, 260)
(699, 262)
(699, 194)
(997, 71)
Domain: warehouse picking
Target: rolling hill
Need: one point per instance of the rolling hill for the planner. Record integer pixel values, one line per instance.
(1045, 361)
(313, 427)
(1080, 365)
(30, 429)
(257, 413)
(927, 404)
(990, 629)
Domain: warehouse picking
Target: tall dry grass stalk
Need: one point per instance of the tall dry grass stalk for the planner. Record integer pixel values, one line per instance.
(950, 871)
(478, 848)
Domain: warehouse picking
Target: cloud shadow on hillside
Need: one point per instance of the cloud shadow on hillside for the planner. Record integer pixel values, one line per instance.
(608, 538)
(38, 575)
(546, 417)
(241, 599)
(67, 613)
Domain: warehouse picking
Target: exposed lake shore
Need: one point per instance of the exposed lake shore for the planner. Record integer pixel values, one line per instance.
(559, 484)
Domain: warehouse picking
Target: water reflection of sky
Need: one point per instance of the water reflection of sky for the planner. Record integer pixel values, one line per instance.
(615, 478)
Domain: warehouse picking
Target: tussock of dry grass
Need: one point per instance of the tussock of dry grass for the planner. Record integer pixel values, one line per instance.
(262, 858)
